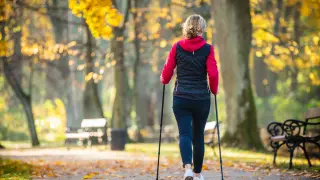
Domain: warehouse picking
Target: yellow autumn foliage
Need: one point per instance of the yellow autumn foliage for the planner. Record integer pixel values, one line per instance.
(315, 78)
(42, 44)
(260, 21)
(275, 64)
(280, 49)
(264, 36)
(3, 48)
(100, 16)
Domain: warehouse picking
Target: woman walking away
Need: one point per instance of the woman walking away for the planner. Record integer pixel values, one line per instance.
(194, 59)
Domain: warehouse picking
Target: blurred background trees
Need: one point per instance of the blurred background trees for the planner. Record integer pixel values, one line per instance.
(63, 61)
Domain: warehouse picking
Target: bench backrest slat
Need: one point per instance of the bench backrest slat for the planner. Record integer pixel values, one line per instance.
(210, 126)
(93, 123)
(312, 114)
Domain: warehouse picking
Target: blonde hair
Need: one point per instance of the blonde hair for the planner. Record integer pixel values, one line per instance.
(193, 26)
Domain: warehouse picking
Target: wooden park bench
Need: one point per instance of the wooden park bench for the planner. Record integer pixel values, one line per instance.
(91, 129)
(293, 133)
(209, 133)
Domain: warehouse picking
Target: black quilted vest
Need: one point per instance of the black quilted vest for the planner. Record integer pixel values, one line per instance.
(191, 80)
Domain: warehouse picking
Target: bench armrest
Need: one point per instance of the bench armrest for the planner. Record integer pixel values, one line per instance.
(293, 127)
(275, 129)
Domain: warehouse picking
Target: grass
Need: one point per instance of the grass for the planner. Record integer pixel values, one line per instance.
(14, 170)
(27, 144)
(230, 156)
(167, 150)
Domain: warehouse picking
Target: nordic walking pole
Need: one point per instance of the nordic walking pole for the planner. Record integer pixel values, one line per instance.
(216, 105)
(160, 130)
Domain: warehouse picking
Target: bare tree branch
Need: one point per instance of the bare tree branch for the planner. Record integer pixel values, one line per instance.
(126, 16)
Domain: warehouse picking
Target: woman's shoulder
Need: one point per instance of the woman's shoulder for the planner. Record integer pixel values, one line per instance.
(175, 44)
(211, 45)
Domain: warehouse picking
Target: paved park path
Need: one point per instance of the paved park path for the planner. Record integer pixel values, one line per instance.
(59, 163)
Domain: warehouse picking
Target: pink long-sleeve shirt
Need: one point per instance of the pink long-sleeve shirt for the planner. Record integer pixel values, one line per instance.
(192, 45)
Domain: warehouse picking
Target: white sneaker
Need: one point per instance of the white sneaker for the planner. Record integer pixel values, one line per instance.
(188, 175)
(198, 178)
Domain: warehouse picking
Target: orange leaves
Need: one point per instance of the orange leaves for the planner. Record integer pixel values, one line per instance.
(133, 167)
(95, 76)
(43, 170)
(90, 175)
(306, 9)
(2, 2)
(99, 15)
(205, 167)
(3, 48)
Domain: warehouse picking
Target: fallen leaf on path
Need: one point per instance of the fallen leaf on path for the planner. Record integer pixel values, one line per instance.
(204, 167)
(90, 175)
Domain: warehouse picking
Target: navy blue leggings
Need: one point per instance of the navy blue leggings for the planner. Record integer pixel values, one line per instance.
(191, 116)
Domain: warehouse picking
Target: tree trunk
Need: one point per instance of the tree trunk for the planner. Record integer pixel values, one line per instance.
(141, 92)
(136, 99)
(59, 79)
(272, 76)
(165, 34)
(151, 111)
(75, 105)
(16, 85)
(91, 100)
(121, 103)
(260, 74)
(234, 29)
(264, 79)
(121, 80)
(296, 37)
(272, 82)
(16, 61)
(268, 88)
(24, 99)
